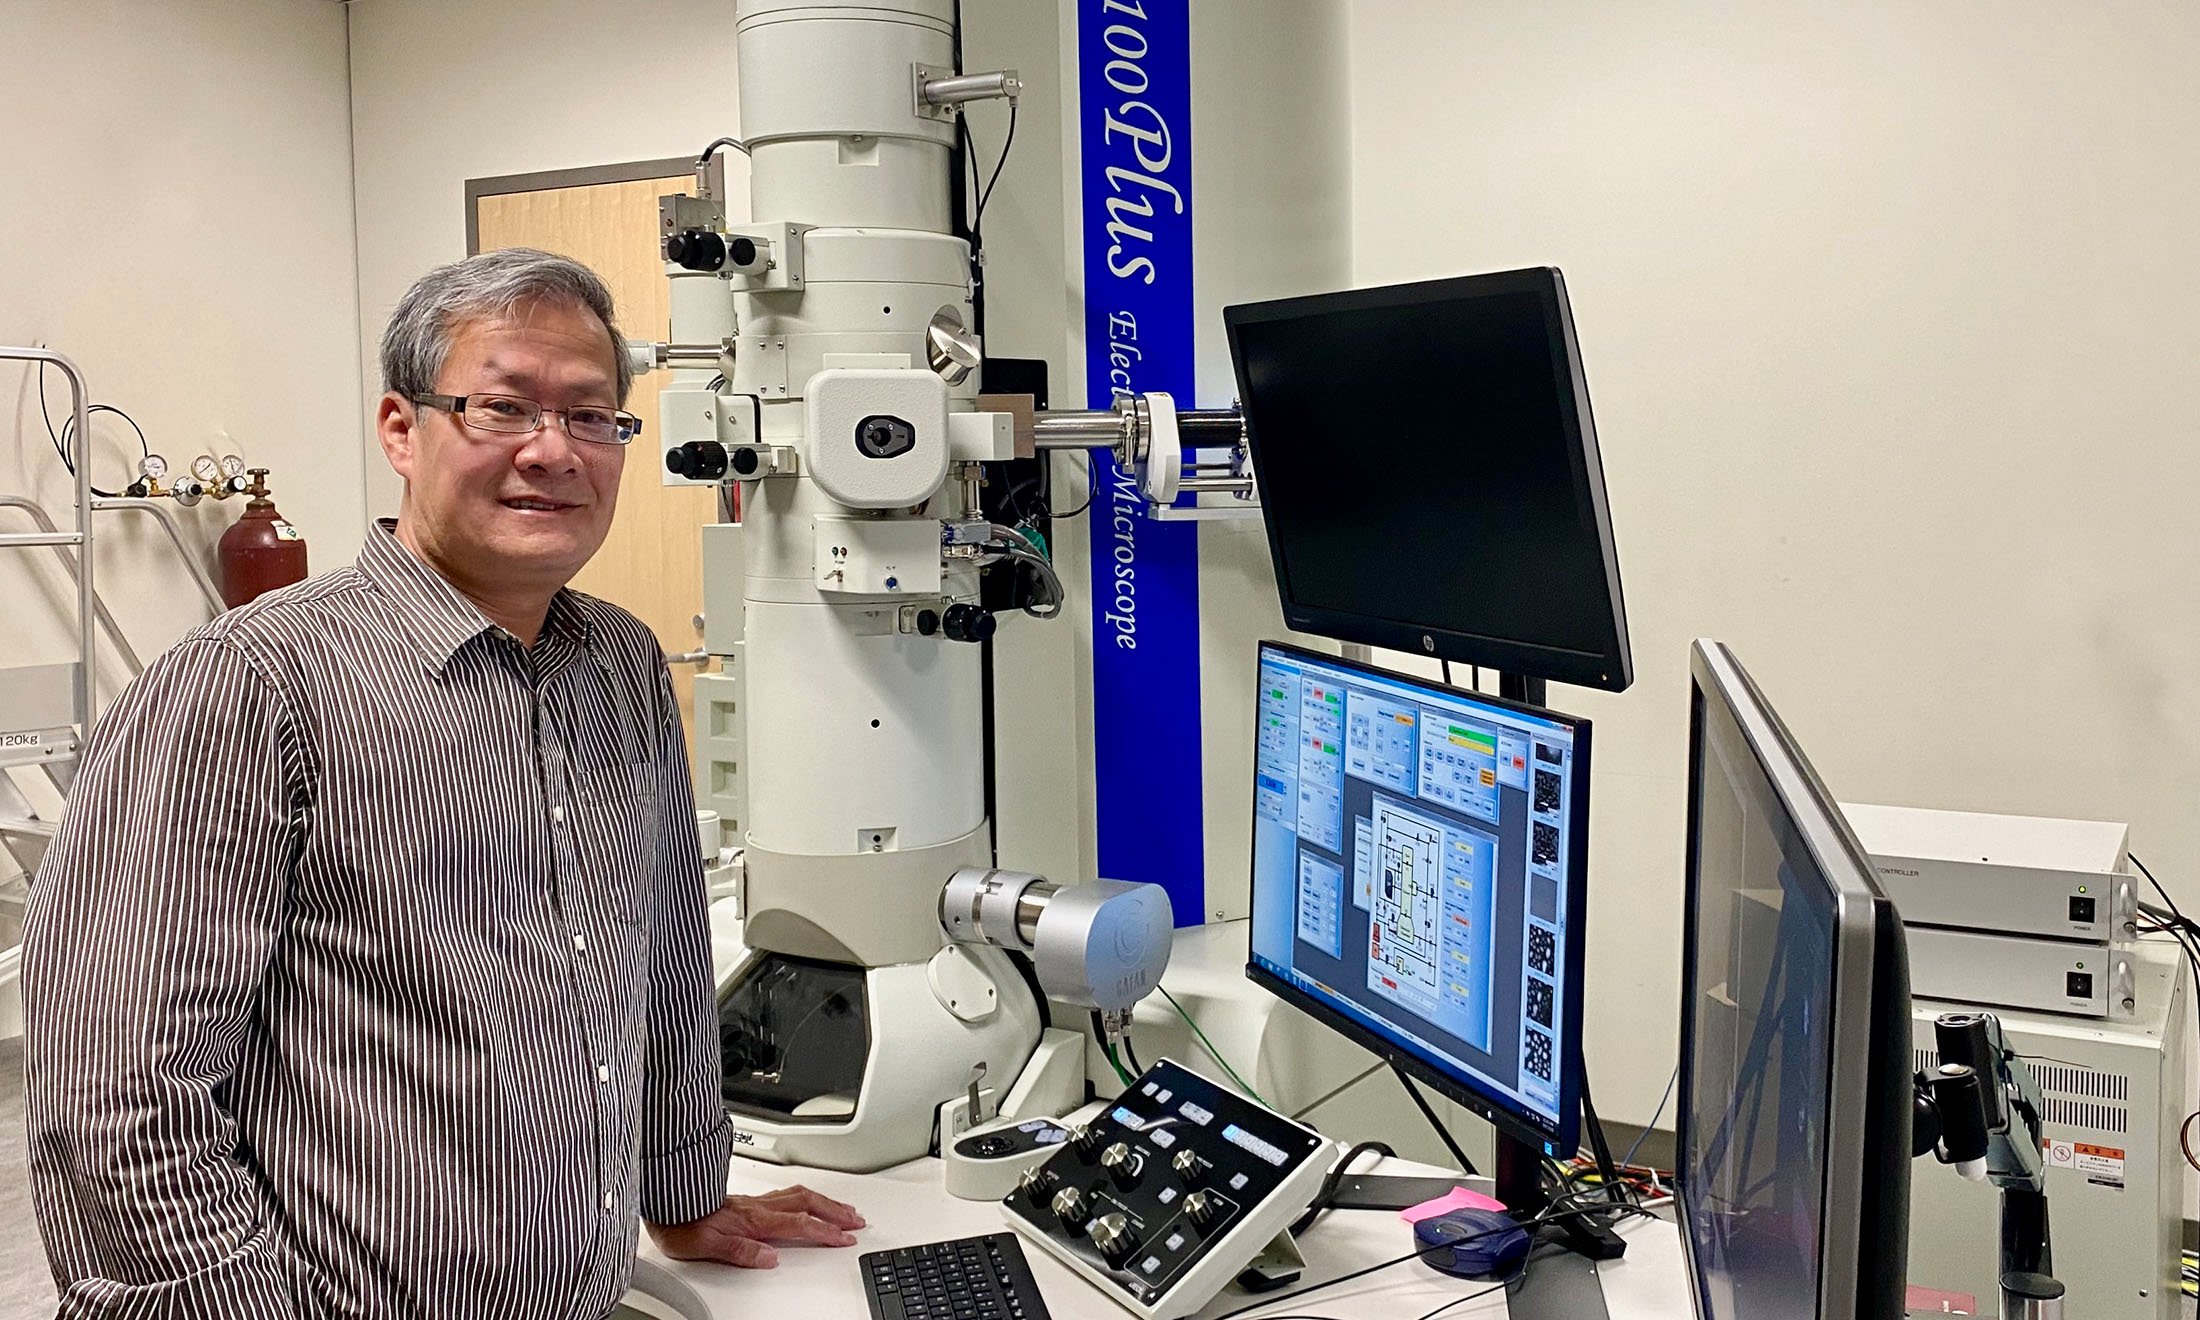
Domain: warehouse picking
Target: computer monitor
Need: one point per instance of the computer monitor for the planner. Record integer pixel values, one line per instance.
(1795, 1083)
(1419, 855)
(1429, 474)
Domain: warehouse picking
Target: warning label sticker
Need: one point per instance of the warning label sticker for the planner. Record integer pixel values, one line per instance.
(2103, 1166)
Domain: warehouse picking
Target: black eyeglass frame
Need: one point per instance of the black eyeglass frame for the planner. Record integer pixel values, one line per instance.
(630, 426)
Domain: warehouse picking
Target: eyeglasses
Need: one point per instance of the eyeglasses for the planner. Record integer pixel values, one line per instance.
(516, 416)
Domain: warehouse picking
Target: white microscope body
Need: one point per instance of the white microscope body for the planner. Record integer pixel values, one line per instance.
(847, 412)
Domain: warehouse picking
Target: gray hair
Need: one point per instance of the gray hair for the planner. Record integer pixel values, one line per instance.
(418, 339)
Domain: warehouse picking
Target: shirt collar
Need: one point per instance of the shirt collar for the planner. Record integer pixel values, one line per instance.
(436, 617)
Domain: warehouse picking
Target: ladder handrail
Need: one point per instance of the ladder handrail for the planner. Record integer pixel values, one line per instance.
(87, 599)
(44, 522)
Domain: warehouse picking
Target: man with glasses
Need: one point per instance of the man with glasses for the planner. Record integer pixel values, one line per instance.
(368, 973)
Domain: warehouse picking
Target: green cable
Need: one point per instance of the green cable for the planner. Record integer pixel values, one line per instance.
(1212, 1052)
(1108, 1052)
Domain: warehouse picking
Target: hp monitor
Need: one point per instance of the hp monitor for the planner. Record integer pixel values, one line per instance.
(1419, 854)
(1429, 474)
(1795, 1082)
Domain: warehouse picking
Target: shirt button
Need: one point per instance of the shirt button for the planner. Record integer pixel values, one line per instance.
(557, 814)
(580, 942)
(607, 1200)
(603, 1072)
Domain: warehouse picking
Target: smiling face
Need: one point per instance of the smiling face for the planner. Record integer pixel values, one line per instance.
(507, 518)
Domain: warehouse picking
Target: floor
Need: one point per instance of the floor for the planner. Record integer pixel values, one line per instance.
(26, 1289)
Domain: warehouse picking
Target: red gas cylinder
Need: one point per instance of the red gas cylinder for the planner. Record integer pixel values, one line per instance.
(260, 552)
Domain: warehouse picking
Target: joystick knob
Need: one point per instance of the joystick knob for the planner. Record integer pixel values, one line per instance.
(1036, 1184)
(1121, 1164)
(1112, 1234)
(1203, 1209)
(1188, 1168)
(1069, 1208)
(1087, 1140)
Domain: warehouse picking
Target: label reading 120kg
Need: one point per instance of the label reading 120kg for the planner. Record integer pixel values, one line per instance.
(2103, 1166)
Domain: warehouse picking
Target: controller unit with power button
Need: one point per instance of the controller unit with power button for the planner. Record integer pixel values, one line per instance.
(1171, 1191)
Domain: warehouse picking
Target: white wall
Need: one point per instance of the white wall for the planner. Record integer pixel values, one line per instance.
(175, 214)
(1890, 313)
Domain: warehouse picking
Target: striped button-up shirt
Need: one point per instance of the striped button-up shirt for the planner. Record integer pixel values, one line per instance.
(368, 974)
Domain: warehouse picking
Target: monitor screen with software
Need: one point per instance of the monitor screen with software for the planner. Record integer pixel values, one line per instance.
(1419, 854)
(1429, 475)
(1795, 1084)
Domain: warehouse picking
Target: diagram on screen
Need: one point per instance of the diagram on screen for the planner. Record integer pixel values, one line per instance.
(1404, 927)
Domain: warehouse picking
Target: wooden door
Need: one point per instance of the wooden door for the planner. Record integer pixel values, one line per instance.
(651, 563)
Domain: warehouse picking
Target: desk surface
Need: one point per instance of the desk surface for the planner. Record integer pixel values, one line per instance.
(907, 1205)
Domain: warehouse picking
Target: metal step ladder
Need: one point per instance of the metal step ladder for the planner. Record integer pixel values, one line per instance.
(46, 708)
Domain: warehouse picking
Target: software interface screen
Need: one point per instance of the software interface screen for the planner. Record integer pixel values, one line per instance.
(1760, 1063)
(1410, 857)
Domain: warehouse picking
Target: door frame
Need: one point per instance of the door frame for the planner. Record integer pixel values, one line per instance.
(542, 180)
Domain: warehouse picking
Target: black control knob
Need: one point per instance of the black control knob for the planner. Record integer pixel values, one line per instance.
(928, 622)
(696, 249)
(1203, 1208)
(1188, 1168)
(1112, 1234)
(1087, 1140)
(1036, 1185)
(968, 623)
(697, 460)
(746, 463)
(1121, 1163)
(1070, 1206)
(743, 252)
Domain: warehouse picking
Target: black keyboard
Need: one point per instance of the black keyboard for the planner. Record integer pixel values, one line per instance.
(973, 1278)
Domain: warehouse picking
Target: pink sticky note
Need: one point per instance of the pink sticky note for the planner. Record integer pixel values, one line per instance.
(1458, 1198)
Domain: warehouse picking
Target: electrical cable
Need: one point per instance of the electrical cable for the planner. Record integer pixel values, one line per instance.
(1209, 1045)
(1447, 671)
(64, 442)
(1531, 1222)
(1334, 1180)
(986, 194)
(1597, 1142)
(1131, 1053)
(2187, 936)
(1450, 1143)
(1107, 1051)
(711, 150)
(1331, 1094)
(1628, 1160)
(1090, 490)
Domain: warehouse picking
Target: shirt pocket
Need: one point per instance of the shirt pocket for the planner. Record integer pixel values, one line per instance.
(619, 828)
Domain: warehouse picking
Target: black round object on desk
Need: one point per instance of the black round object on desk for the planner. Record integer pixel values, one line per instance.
(1472, 1244)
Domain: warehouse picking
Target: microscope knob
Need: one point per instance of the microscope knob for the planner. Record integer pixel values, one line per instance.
(969, 623)
(1069, 1208)
(697, 460)
(1203, 1208)
(1087, 1140)
(695, 249)
(1120, 1164)
(1188, 1168)
(1035, 1184)
(928, 622)
(1112, 1234)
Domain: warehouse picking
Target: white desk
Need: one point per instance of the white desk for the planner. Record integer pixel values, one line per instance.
(906, 1205)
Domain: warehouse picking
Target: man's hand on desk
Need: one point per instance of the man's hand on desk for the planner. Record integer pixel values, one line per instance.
(741, 1231)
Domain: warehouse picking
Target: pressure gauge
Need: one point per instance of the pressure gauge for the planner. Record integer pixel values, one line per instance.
(153, 467)
(232, 466)
(206, 468)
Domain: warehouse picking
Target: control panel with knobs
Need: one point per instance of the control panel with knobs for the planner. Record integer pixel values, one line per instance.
(1171, 1191)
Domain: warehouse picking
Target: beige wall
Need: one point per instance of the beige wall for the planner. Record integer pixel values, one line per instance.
(1890, 313)
(175, 214)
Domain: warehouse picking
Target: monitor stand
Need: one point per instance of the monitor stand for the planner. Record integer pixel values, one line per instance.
(1561, 1282)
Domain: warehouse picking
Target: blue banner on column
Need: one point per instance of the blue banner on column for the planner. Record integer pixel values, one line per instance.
(1134, 75)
